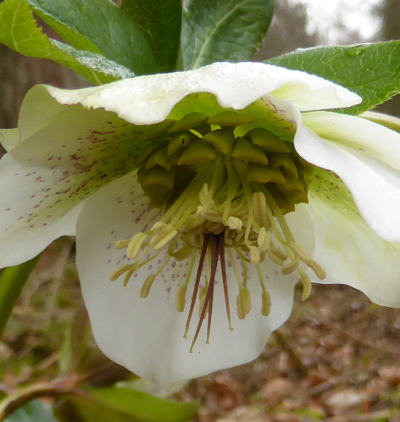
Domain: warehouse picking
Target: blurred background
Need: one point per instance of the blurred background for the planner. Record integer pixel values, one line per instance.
(337, 359)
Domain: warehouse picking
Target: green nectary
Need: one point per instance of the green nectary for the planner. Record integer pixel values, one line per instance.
(197, 144)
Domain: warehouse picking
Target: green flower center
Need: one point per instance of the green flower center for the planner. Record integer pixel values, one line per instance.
(223, 186)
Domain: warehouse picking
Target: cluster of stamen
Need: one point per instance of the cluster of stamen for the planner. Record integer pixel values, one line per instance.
(224, 187)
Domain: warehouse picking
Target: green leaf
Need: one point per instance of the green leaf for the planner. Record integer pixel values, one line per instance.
(100, 27)
(370, 70)
(160, 21)
(123, 405)
(33, 411)
(222, 30)
(19, 31)
(12, 280)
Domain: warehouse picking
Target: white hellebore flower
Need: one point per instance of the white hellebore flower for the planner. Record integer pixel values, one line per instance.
(199, 199)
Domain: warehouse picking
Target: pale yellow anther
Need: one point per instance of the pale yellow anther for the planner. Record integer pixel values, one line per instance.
(305, 279)
(180, 298)
(160, 225)
(300, 251)
(213, 216)
(254, 255)
(318, 270)
(121, 244)
(263, 240)
(145, 290)
(234, 223)
(239, 308)
(275, 258)
(266, 303)
(192, 222)
(201, 211)
(291, 267)
(158, 242)
(119, 271)
(129, 274)
(135, 244)
(213, 227)
(243, 302)
(182, 253)
(259, 207)
(279, 253)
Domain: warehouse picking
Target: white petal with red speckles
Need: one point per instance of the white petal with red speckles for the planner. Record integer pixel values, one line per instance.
(149, 99)
(46, 176)
(146, 335)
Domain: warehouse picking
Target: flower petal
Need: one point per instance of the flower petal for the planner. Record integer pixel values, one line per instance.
(372, 139)
(348, 250)
(150, 99)
(375, 186)
(9, 138)
(146, 335)
(45, 176)
(392, 122)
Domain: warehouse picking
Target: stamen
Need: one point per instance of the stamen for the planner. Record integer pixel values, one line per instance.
(318, 270)
(224, 278)
(180, 298)
(135, 244)
(122, 244)
(300, 251)
(265, 297)
(145, 290)
(263, 240)
(243, 302)
(119, 271)
(266, 303)
(305, 279)
(254, 255)
(291, 267)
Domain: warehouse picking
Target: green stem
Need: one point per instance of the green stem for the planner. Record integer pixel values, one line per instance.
(12, 280)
